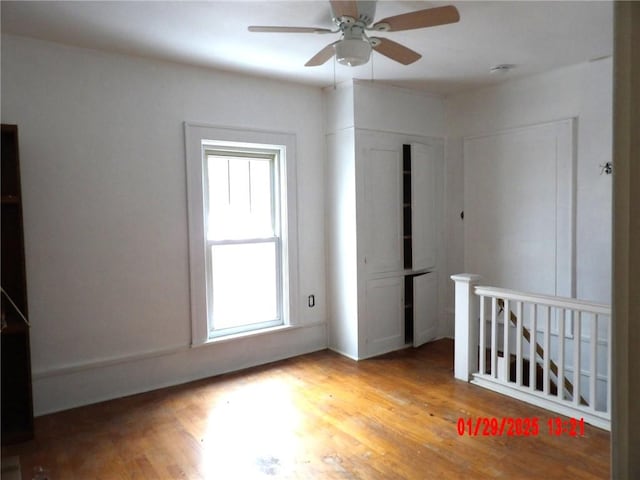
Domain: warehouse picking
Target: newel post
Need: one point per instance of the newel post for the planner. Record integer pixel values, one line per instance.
(466, 321)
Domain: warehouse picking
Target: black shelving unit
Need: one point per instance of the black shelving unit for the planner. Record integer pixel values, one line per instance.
(17, 401)
(408, 242)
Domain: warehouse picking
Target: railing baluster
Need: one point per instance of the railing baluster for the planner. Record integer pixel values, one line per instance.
(560, 379)
(532, 348)
(593, 369)
(494, 337)
(577, 341)
(505, 343)
(519, 344)
(483, 349)
(547, 351)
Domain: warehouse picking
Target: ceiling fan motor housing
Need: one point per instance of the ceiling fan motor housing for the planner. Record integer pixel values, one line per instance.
(366, 14)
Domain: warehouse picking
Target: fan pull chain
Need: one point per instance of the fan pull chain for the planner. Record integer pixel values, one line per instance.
(372, 57)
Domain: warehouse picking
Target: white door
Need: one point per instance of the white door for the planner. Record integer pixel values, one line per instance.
(384, 315)
(519, 217)
(425, 308)
(423, 206)
(382, 207)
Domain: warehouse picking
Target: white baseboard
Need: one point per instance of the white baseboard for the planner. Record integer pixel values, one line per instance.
(344, 354)
(74, 386)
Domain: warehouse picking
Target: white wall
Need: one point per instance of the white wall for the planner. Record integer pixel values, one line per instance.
(338, 107)
(368, 105)
(398, 110)
(103, 173)
(583, 92)
(342, 255)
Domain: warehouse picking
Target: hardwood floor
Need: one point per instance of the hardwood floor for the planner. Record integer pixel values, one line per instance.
(317, 416)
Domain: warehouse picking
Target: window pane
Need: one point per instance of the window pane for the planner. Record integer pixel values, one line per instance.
(244, 284)
(240, 198)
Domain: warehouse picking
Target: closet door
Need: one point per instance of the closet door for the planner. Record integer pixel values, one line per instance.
(519, 196)
(384, 315)
(425, 308)
(423, 206)
(381, 165)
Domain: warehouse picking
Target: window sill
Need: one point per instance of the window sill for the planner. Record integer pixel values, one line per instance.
(252, 333)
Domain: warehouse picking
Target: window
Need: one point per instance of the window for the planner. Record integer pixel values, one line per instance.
(241, 216)
(243, 239)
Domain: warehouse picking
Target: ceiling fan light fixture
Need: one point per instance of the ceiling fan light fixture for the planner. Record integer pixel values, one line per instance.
(353, 52)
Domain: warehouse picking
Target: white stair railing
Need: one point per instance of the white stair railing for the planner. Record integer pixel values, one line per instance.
(553, 352)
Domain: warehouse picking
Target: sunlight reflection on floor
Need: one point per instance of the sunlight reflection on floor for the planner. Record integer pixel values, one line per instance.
(252, 432)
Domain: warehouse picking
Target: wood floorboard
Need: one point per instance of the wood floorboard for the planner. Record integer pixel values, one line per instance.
(318, 416)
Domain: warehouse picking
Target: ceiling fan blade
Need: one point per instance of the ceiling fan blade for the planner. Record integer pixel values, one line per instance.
(395, 51)
(322, 56)
(266, 29)
(429, 17)
(345, 8)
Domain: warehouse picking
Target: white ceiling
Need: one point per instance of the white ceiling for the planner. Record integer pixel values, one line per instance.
(535, 36)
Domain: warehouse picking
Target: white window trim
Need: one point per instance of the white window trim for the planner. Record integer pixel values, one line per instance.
(197, 136)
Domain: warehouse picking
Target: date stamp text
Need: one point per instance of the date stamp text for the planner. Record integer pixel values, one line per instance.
(520, 426)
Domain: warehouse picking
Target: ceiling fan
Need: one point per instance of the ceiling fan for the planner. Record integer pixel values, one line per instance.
(353, 19)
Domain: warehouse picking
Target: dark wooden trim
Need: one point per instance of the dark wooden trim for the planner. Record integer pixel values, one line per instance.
(17, 397)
